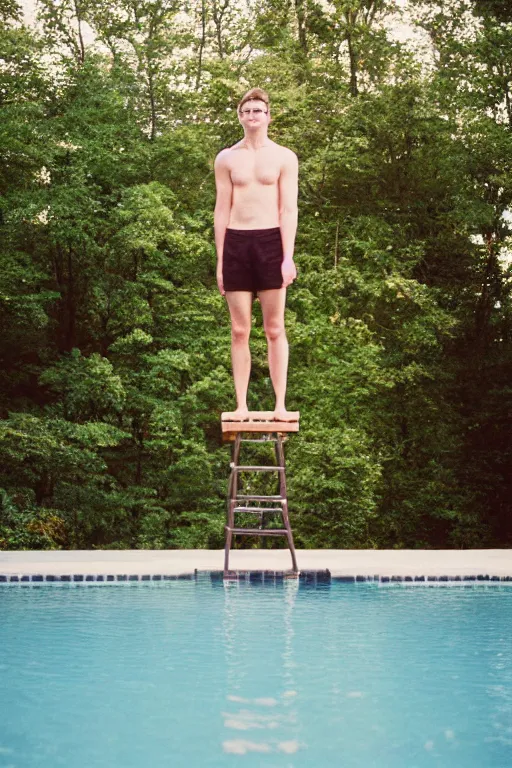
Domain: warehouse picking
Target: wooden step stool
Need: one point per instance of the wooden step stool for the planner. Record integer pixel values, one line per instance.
(260, 428)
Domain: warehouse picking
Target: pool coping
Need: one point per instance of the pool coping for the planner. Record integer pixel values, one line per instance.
(383, 566)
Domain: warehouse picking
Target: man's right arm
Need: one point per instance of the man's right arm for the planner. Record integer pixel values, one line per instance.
(222, 210)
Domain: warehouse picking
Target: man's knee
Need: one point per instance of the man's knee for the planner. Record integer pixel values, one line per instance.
(240, 333)
(274, 331)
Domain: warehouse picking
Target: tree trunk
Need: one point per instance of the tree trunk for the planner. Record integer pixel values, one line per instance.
(70, 304)
(300, 12)
(487, 299)
(151, 86)
(217, 15)
(81, 46)
(354, 91)
(140, 451)
(201, 44)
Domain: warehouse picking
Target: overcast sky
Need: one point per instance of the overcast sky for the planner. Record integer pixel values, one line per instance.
(401, 30)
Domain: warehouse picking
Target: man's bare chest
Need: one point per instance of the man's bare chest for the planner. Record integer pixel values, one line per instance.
(246, 170)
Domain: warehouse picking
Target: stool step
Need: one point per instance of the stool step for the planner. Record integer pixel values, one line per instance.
(260, 440)
(257, 469)
(258, 421)
(252, 416)
(259, 510)
(259, 531)
(252, 499)
(260, 498)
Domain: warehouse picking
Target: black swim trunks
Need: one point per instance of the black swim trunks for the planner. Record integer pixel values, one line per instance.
(252, 259)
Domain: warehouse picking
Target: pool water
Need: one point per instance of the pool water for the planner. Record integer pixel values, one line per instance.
(198, 673)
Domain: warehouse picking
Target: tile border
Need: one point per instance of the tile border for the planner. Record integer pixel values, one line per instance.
(306, 577)
(91, 578)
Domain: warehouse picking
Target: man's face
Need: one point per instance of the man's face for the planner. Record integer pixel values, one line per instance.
(254, 114)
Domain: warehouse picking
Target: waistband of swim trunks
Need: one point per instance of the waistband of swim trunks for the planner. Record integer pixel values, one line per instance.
(253, 232)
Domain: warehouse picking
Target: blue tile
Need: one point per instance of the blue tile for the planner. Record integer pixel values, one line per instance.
(255, 577)
(361, 578)
(157, 577)
(145, 577)
(308, 576)
(408, 578)
(216, 576)
(25, 578)
(14, 578)
(37, 577)
(419, 578)
(384, 579)
(432, 578)
(66, 577)
(111, 577)
(121, 577)
(100, 577)
(469, 578)
(456, 578)
(133, 577)
(323, 577)
(228, 576)
(443, 578)
(495, 578)
(78, 577)
(396, 578)
(3, 578)
(290, 576)
(89, 578)
(315, 577)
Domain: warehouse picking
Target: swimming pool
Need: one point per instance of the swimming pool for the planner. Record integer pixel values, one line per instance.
(201, 673)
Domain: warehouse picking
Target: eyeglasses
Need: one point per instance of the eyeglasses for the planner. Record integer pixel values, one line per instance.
(256, 111)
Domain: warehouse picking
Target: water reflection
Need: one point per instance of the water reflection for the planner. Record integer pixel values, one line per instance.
(269, 706)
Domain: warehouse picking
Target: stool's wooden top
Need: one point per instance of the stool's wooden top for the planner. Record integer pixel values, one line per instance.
(258, 421)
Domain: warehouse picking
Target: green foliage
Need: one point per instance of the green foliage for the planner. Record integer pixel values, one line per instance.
(24, 525)
(114, 358)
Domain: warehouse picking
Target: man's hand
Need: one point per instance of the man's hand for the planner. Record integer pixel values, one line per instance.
(220, 282)
(289, 271)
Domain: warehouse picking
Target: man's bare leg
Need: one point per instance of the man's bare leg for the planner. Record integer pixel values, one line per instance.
(272, 305)
(240, 309)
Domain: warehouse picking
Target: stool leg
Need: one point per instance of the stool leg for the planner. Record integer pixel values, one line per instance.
(232, 494)
(236, 449)
(230, 521)
(283, 493)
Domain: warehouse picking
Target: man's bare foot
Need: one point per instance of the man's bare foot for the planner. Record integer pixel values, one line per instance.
(241, 414)
(281, 414)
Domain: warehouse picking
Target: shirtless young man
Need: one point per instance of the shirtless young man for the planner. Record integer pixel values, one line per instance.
(255, 227)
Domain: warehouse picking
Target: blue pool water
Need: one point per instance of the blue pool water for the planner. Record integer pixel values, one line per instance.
(204, 674)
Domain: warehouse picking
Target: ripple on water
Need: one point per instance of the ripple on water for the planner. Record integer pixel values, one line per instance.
(127, 675)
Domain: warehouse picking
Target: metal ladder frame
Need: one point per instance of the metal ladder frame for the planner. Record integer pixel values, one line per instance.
(234, 498)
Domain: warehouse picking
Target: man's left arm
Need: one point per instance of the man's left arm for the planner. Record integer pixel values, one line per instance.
(288, 193)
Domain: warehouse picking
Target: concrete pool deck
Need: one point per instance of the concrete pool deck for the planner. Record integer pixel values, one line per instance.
(495, 564)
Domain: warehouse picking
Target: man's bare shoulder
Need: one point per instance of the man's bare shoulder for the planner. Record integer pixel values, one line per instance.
(225, 154)
(221, 158)
(286, 155)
